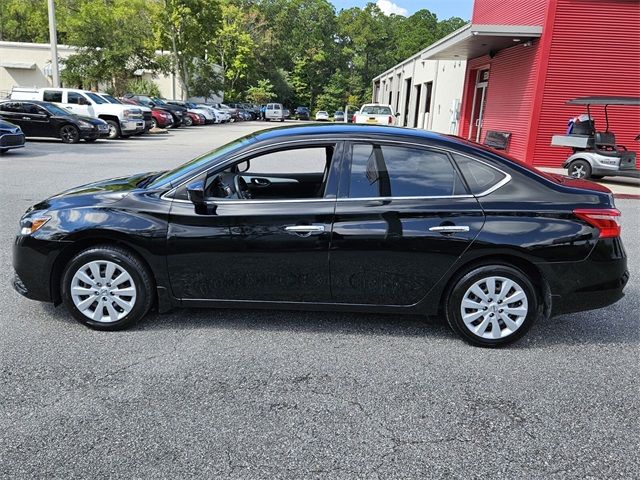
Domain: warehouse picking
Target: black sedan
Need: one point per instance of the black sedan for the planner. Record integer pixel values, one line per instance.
(10, 136)
(44, 119)
(333, 217)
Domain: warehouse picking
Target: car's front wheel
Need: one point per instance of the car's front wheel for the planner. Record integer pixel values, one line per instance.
(107, 287)
(69, 134)
(492, 305)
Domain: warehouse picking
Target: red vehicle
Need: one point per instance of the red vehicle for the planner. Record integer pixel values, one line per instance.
(195, 119)
(159, 117)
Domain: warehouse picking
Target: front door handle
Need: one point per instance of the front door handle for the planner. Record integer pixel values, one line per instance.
(305, 230)
(450, 229)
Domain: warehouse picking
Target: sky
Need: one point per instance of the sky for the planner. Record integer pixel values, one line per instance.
(442, 8)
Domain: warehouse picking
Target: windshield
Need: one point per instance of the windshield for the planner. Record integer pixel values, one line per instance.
(159, 101)
(96, 98)
(186, 170)
(55, 110)
(376, 110)
(110, 99)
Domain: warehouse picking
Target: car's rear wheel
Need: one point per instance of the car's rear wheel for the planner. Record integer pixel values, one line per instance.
(580, 169)
(69, 134)
(107, 288)
(492, 305)
(188, 121)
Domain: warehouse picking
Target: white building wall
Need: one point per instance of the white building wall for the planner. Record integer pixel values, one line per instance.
(441, 114)
(29, 65)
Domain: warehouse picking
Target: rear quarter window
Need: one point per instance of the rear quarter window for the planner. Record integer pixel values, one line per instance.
(52, 96)
(479, 176)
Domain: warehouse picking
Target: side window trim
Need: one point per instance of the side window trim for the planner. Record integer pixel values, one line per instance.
(345, 177)
(332, 182)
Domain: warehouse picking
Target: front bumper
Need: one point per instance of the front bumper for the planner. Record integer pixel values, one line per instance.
(33, 262)
(11, 140)
(131, 126)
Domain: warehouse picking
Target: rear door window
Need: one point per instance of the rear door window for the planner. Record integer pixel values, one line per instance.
(399, 171)
(480, 177)
(52, 96)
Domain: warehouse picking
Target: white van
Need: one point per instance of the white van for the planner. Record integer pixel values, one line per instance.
(274, 111)
(123, 120)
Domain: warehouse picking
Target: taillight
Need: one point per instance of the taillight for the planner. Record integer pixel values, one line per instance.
(604, 219)
(353, 119)
(390, 120)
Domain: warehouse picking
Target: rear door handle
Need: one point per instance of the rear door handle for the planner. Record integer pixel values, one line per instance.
(305, 230)
(450, 229)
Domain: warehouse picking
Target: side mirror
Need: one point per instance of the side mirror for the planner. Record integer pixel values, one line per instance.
(244, 166)
(397, 114)
(195, 192)
(152, 104)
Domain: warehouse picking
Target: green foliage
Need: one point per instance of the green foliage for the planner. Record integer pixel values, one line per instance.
(143, 86)
(308, 53)
(114, 41)
(262, 93)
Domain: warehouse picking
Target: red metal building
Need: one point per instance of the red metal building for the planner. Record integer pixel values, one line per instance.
(526, 58)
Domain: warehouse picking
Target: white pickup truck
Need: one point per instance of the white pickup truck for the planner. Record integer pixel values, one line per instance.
(123, 120)
(376, 114)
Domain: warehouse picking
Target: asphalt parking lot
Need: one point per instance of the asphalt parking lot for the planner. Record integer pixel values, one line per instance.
(274, 394)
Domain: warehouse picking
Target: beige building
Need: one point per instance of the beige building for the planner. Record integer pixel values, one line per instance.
(426, 93)
(29, 65)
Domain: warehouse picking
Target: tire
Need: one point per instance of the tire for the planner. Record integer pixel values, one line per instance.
(107, 263)
(154, 124)
(187, 121)
(580, 169)
(69, 134)
(489, 325)
(90, 140)
(114, 130)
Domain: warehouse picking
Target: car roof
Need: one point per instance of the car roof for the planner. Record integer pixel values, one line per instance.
(346, 130)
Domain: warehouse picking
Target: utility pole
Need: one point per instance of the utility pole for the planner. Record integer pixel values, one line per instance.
(53, 40)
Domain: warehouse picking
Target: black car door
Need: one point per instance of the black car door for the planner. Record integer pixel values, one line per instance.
(403, 217)
(39, 120)
(13, 112)
(272, 247)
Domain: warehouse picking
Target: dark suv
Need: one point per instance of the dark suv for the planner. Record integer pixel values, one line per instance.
(302, 113)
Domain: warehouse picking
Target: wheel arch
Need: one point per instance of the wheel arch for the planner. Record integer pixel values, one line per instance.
(84, 243)
(109, 117)
(511, 260)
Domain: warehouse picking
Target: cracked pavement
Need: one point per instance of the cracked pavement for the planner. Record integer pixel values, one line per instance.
(245, 394)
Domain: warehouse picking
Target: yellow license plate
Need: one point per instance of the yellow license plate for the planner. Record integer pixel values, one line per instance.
(372, 120)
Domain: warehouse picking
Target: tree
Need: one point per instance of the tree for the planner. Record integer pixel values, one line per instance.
(335, 94)
(113, 41)
(184, 28)
(262, 93)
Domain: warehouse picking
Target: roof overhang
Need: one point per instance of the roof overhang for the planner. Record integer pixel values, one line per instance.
(628, 101)
(472, 41)
(19, 65)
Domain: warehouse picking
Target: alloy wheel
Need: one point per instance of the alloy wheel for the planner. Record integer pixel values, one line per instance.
(103, 291)
(69, 134)
(494, 307)
(578, 171)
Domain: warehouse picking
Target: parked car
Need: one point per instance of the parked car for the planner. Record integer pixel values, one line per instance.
(177, 112)
(338, 116)
(11, 136)
(302, 113)
(146, 111)
(209, 117)
(160, 118)
(123, 120)
(322, 115)
(416, 222)
(187, 121)
(45, 119)
(374, 113)
(274, 111)
(222, 115)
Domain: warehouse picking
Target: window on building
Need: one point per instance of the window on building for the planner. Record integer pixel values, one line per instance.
(427, 97)
(392, 171)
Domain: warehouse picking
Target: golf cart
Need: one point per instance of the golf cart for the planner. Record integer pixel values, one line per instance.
(595, 153)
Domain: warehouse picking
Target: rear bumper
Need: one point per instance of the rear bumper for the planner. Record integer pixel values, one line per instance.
(595, 282)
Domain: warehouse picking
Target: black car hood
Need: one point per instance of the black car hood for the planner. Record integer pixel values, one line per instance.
(96, 193)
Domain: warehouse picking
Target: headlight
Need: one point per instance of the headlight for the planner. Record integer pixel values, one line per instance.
(32, 225)
(84, 124)
(126, 113)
